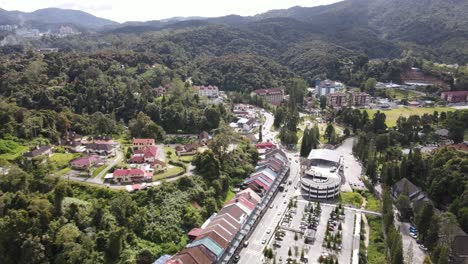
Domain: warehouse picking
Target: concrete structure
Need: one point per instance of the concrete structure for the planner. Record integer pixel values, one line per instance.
(327, 87)
(207, 91)
(322, 180)
(455, 96)
(337, 100)
(273, 96)
(360, 99)
(143, 143)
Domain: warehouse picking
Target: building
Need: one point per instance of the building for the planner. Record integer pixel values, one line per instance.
(327, 87)
(144, 155)
(415, 77)
(322, 179)
(204, 137)
(219, 237)
(39, 151)
(187, 149)
(360, 99)
(160, 91)
(85, 162)
(337, 100)
(101, 147)
(274, 96)
(207, 91)
(131, 175)
(143, 143)
(455, 96)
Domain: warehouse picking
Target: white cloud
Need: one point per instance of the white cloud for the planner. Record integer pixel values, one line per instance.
(142, 10)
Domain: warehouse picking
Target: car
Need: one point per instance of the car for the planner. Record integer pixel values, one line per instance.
(284, 194)
(263, 241)
(276, 244)
(423, 247)
(284, 201)
(271, 206)
(268, 231)
(236, 258)
(413, 235)
(246, 243)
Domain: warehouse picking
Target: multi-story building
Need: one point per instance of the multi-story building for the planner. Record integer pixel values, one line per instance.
(360, 99)
(455, 96)
(207, 91)
(337, 100)
(322, 180)
(274, 96)
(327, 87)
(143, 143)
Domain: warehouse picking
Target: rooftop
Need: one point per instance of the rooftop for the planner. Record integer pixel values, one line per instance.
(324, 154)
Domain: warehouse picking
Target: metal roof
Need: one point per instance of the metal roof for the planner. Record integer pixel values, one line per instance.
(324, 154)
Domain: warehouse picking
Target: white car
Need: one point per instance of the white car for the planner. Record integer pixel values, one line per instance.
(413, 235)
(421, 246)
(268, 231)
(263, 241)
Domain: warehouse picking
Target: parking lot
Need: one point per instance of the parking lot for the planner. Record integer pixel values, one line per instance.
(289, 240)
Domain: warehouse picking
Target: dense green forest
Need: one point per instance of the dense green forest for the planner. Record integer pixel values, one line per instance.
(45, 219)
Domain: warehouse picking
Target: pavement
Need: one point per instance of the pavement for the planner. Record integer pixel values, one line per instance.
(352, 168)
(418, 254)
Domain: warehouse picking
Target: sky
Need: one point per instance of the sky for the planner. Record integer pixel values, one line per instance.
(144, 10)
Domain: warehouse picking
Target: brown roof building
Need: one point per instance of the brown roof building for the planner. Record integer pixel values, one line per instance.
(455, 96)
(273, 96)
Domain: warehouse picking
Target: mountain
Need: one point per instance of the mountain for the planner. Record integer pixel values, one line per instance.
(48, 18)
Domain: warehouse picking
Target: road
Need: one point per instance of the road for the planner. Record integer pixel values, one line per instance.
(352, 169)
(254, 252)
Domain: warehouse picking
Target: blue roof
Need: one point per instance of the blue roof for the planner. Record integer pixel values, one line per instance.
(162, 259)
(209, 244)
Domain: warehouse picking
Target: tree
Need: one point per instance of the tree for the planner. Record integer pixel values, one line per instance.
(329, 131)
(115, 244)
(207, 165)
(403, 205)
(289, 252)
(280, 115)
(143, 126)
(346, 132)
(323, 102)
(370, 86)
(427, 260)
(260, 136)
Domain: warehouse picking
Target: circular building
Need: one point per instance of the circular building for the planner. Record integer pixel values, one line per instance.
(321, 183)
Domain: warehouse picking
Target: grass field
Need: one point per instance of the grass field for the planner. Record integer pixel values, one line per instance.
(98, 170)
(229, 195)
(373, 204)
(61, 160)
(376, 250)
(14, 153)
(351, 198)
(392, 115)
(172, 171)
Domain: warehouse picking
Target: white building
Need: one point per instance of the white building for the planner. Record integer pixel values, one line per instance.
(327, 87)
(207, 91)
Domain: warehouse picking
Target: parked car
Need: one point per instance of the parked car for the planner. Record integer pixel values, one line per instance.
(263, 241)
(421, 246)
(413, 235)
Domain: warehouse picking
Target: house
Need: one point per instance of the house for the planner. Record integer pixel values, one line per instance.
(336, 100)
(360, 99)
(204, 137)
(131, 175)
(207, 91)
(414, 104)
(404, 186)
(265, 145)
(274, 96)
(142, 143)
(187, 150)
(455, 96)
(85, 162)
(327, 87)
(160, 91)
(158, 165)
(39, 151)
(144, 155)
(101, 147)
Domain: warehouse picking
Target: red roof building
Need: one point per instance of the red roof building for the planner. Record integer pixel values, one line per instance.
(145, 155)
(85, 162)
(142, 143)
(265, 145)
(132, 175)
(455, 96)
(273, 96)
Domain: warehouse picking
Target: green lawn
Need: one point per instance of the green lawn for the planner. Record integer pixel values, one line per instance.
(98, 170)
(373, 204)
(61, 160)
(186, 158)
(15, 153)
(63, 171)
(229, 195)
(376, 250)
(168, 173)
(351, 198)
(392, 115)
(402, 94)
(173, 153)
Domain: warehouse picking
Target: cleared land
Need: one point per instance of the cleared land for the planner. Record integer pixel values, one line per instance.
(61, 160)
(392, 115)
